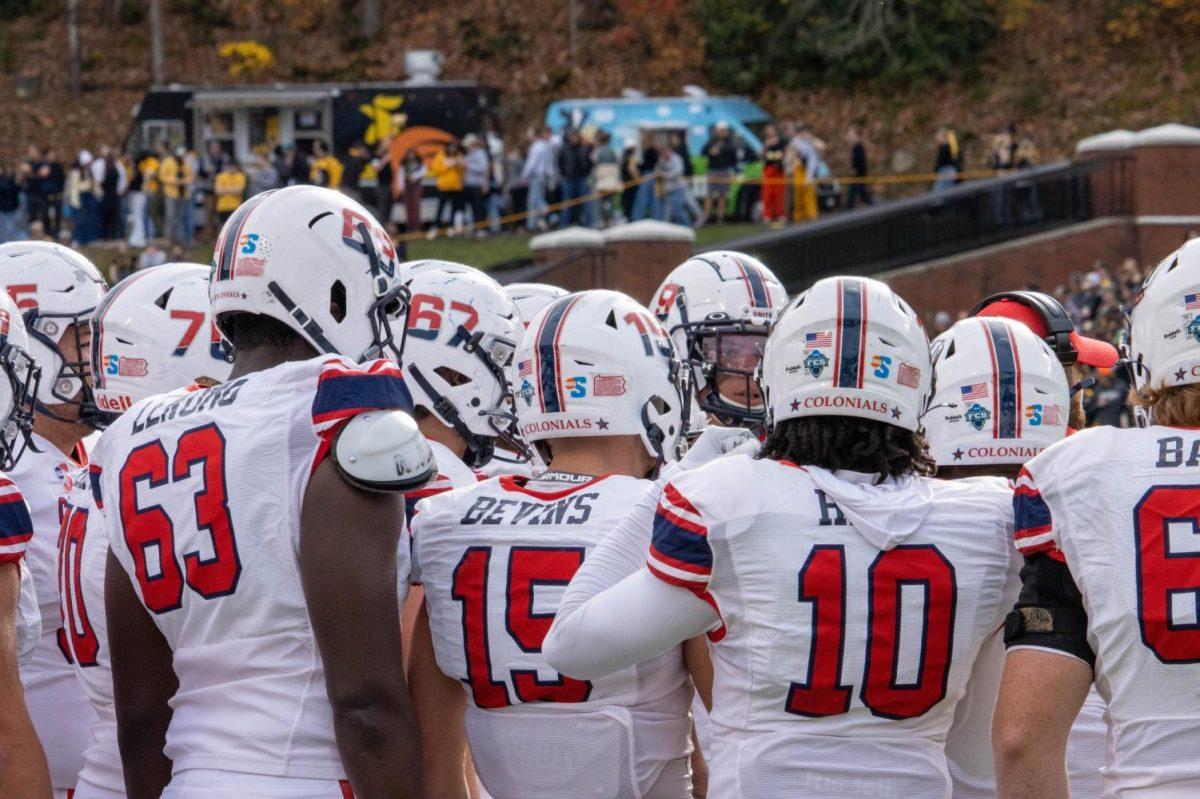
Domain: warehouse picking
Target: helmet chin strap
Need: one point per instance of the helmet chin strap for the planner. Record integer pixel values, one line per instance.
(479, 447)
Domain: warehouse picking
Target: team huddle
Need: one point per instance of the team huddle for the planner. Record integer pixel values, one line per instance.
(315, 523)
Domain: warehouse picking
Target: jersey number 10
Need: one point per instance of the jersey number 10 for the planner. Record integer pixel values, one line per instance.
(823, 585)
(150, 528)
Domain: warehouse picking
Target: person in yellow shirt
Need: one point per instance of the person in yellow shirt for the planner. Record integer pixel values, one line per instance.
(326, 170)
(447, 169)
(230, 188)
(176, 175)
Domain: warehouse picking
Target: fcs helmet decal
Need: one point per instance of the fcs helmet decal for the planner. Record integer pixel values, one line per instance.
(849, 346)
(718, 307)
(597, 363)
(1000, 394)
(56, 290)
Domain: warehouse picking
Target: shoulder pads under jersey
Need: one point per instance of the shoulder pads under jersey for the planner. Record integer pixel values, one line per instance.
(383, 451)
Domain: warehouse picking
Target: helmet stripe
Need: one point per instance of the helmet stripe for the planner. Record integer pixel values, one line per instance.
(1005, 380)
(232, 232)
(755, 286)
(547, 354)
(852, 331)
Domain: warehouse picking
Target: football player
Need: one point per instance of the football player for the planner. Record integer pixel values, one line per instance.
(1000, 397)
(251, 586)
(718, 307)
(1107, 523)
(25, 774)
(845, 594)
(56, 289)
(529, 299)
(462, 331)
(605, 409)
(152, 333)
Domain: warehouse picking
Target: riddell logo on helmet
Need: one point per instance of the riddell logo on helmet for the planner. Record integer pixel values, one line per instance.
(555, 425)
(118, 403)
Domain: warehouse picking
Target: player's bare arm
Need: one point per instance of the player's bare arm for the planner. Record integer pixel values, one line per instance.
(440, 702)
(144, 681)
(23, 772)
(348, 573)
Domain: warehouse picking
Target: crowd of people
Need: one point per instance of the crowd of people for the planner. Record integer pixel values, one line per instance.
(579, 176)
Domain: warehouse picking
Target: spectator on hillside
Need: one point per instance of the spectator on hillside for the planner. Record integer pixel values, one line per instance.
(148, 166)
(722, 158)
(54, 179)
(807, 166)
(112, 188)
(629, 176)
(574, 167)
(669, 173)
(211, 164)
(643, 201)
(326, 170)
(36, 172)
(447, 170)
(176, 176)
(860, 190)
(476, 181)
(265, 177)
(538, 175)
(229, 187)
(81, 188)
(390, 185)
(1003, 149)
(191, 193)
(606, 176)
(947, 162)
(359, 179)
(137, 211)
(774, 192)
(1029, 207)
(412, 179)
(515, 188)
(11, 228)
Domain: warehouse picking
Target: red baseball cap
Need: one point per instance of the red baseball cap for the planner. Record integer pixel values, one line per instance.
(1091, 351)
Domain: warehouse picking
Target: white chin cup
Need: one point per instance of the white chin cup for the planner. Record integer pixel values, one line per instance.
(384, 451)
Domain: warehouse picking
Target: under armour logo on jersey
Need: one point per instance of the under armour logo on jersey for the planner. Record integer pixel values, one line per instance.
(831, 514)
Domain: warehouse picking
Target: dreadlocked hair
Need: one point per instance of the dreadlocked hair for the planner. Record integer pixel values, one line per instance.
(847, 442)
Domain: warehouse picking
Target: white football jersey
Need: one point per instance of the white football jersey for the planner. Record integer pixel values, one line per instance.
(202, 490)
(83, 557)
(61, 713)
(1123, 506)
(851, 615)
(495, 559)
(16, 530)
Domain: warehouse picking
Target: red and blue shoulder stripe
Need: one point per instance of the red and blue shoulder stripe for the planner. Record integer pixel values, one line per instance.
(16, 527)
(344, 390)
(1034, 527)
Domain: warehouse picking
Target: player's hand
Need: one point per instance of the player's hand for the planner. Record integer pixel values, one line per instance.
(717, 441)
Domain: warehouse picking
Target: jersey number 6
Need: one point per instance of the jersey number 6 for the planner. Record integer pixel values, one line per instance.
(150, 529)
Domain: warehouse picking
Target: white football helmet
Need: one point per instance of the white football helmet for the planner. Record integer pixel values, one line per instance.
(19, 386)
(718, 308)
(301, 253)
(55, 289)
(597, 363)
(1000, 394)
(152, 333)
(533, 297)
(1164, 325)
(849, 346)
(462, 330)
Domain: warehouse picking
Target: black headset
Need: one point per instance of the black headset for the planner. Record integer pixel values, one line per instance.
(1059, 326)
